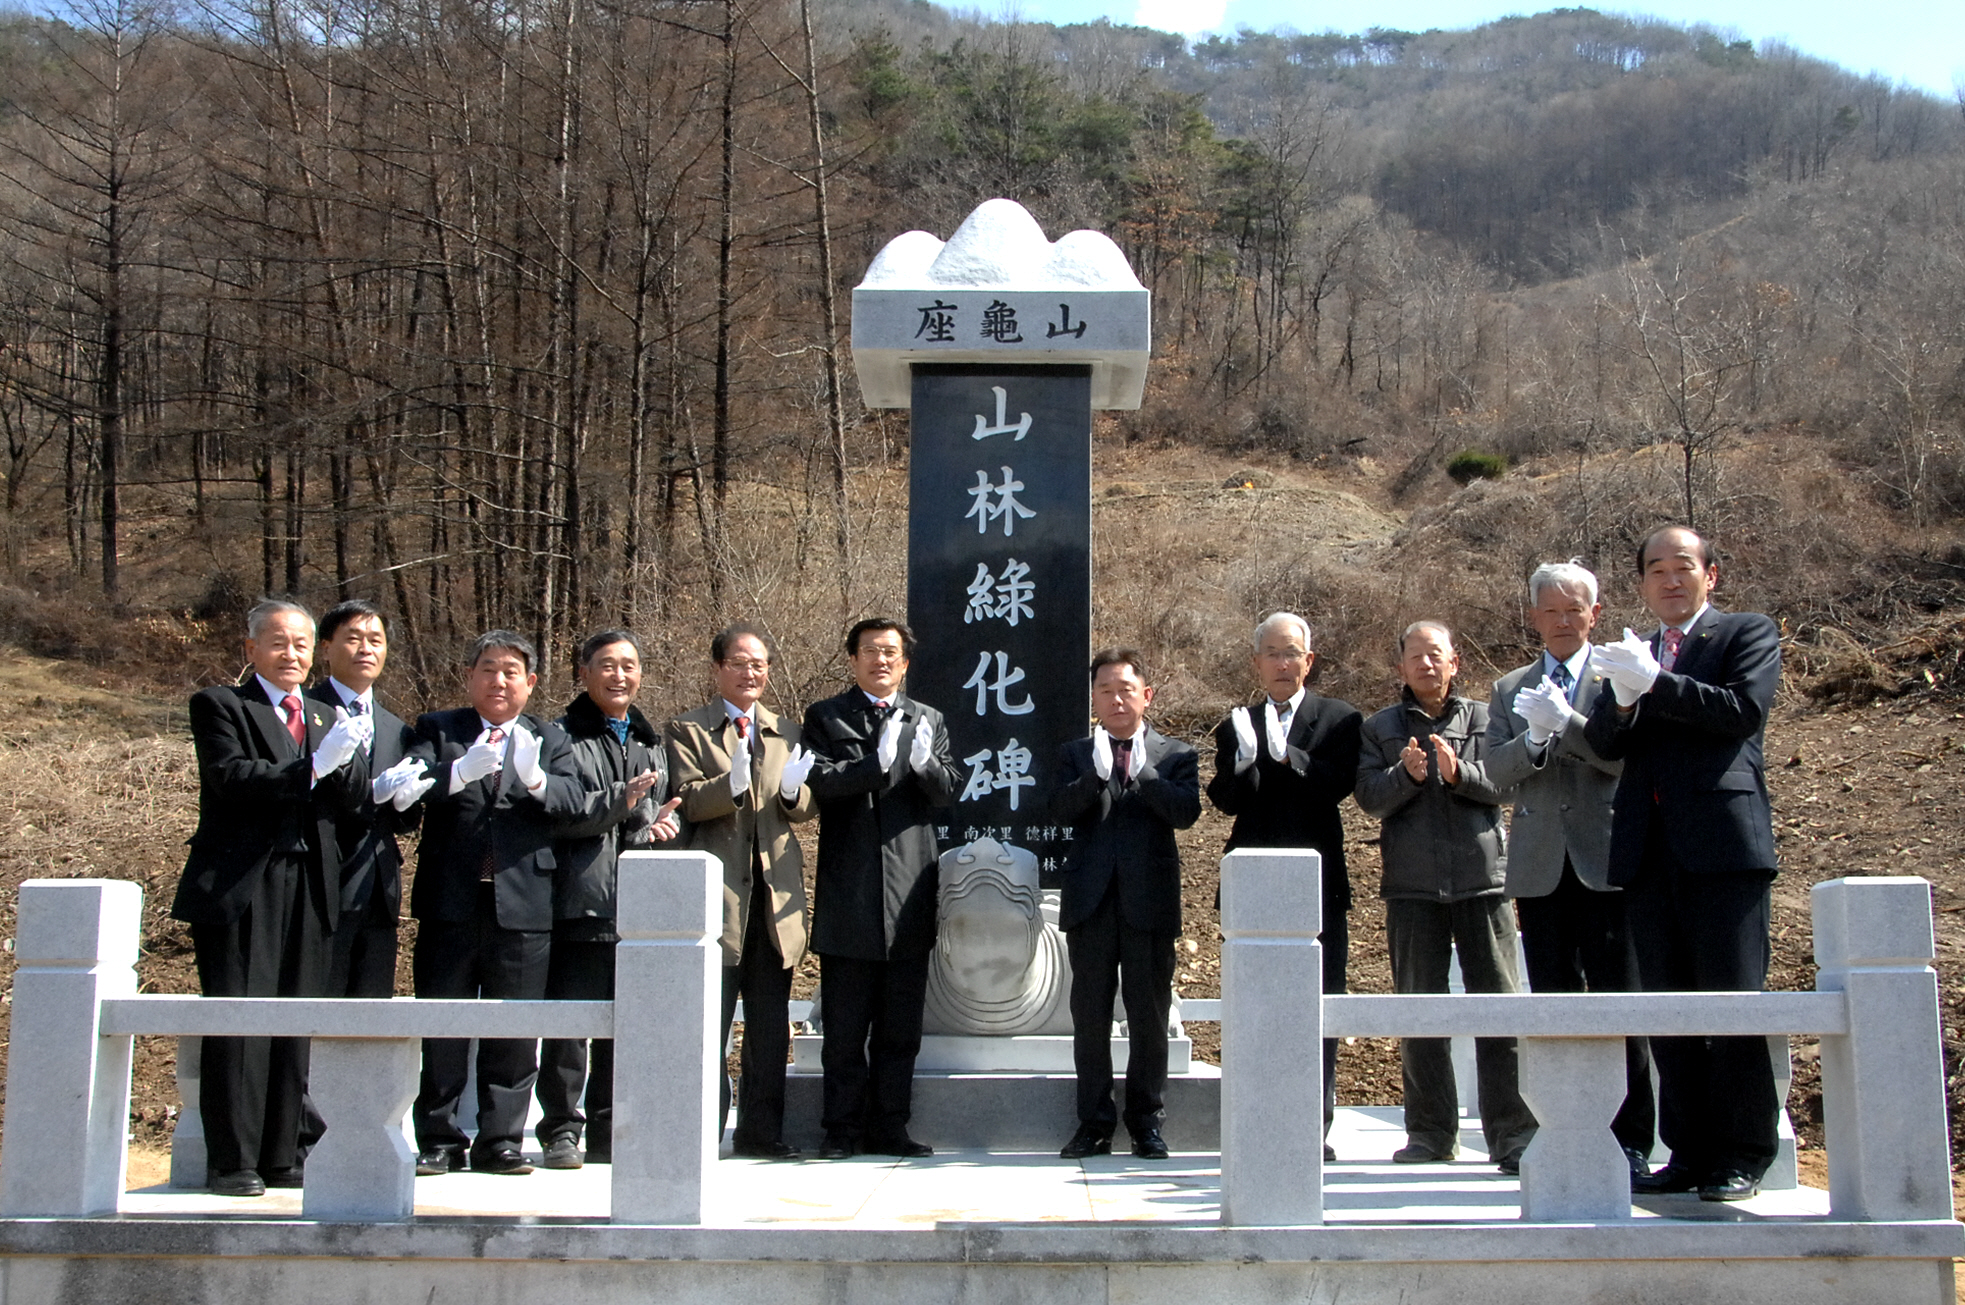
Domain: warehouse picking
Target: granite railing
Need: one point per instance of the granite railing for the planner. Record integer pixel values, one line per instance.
(76, 1009)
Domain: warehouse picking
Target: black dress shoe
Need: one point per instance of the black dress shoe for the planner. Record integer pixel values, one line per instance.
(1674, 1177)
(1148, 1145)
(237, 1182)
(1086, 1141)
(1729, 1185)
(439, 1160)
(562, 1152)
(748, 1150)
(1640, 1165)
(1330, 1154)
(837, 1146)
(902, 1145)
(1511, 1164)
(289, 1177)
(501, 1160)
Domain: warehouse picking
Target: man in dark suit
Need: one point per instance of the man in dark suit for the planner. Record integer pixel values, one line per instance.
(1125, 791)
(1692, 843)
(1574, 934)
(504, 782)
(881, 766)
(1282, 769)
(258, 887)
(362, 952)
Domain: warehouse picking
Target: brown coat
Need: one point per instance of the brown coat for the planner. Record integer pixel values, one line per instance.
(699, 745)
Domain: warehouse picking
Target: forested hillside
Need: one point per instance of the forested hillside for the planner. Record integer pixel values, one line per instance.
(536, 313)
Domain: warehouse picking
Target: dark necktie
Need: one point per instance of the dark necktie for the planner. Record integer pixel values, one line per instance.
(1561, 676)
(1673, 638)
(295, 725)
(356, 707)
(1122, 760)
(488, 867)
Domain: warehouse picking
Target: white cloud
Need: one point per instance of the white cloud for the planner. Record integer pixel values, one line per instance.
(1188, 17)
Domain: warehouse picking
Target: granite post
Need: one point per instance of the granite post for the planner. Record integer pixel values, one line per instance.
(1272, 1066)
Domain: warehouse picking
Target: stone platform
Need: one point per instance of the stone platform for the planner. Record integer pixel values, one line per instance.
(973, 1226)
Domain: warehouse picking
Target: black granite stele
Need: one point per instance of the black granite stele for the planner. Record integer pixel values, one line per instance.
(1000, 585)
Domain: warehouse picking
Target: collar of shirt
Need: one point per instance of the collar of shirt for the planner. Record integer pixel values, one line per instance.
(274, 693)
(890, 699)
(1295, 701)
(1687, 627)
(1574, 665)
(486, 726)
(348, 696)
(731, 711)
(1134, 737)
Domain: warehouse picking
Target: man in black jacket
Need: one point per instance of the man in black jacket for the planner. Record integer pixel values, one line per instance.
(881, 766)
(1125, 791)
(503, 784)
(617, 756)
(1692, 845)
(362, 953)
(1281, 769)
(258, 886)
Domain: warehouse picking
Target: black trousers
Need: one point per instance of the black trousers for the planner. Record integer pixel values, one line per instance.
(873, 1034)
(1577, 940)
(1336, 939)
(763, 980)
(581, 969)
(1423, 936)
(1110, 958)
(252, 1089)
(477, 958)
(362, 952)
(1707, 932)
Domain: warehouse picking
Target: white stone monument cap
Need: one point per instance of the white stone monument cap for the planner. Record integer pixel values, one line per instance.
(998, 291)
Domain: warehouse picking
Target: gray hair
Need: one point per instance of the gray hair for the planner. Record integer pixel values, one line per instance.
(1416, 627)
(267, 608)
(1274, 619)
(1564, 575)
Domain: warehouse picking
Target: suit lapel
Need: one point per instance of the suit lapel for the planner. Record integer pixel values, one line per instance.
(266, 719)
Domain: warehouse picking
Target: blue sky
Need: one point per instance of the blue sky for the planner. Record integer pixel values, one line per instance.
(1921, 42)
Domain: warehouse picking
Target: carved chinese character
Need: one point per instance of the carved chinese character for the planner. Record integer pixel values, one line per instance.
(993, 501)
(1003, 424)
(1000, 323)
(937, 323)
(1052, 330)
(1000, 686)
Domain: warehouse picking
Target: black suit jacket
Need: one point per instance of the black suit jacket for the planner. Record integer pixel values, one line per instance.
(371, 860)
(1692, 751)
(257, 801)
(875, 890)
(1294, 803)
(1125, 832)
(515, 827)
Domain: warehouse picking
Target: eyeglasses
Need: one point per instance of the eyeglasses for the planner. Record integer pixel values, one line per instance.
(1285, 654)
(879, 653)
(746, 667)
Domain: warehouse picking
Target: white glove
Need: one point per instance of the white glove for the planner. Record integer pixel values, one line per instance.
(889, 746)
(391, 781)
(1244, 725)
(740, 765)
(1101, 752)
(341, 742)
(1272, 725)
(419, 783)
(525, 759)
(797, 766)
(480, 759)
(921, 752)
(1546, 709)
(1629, 666)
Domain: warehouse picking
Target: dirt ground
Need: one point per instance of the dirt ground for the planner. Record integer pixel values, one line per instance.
(99, 782)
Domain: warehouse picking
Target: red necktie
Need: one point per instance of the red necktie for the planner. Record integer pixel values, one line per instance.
(295, 726)
(1122, 760)
(743, 727)
(1673, 638)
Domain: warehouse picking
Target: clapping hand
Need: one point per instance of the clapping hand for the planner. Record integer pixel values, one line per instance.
(1272, 725)
(797, 766)
(740, 764)
(1244, 726)
(1629, 666)
(1546, 709)
(480, 759)
(921, 752)
(347, 736)
(889, 746)
(418, 782)
(393, 780)
(1448, 761)
(525, 759)
(665, 827)
(1413, 757)
(1101, 752)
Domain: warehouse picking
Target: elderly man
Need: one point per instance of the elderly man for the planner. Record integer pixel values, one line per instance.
(261, 888)
(1126, 791)
(503, 783)
(1281, 769)
(881, 768)
(1442, 849)
(618, 759)
(1572, 919)
(740, 773)
(1692, 843)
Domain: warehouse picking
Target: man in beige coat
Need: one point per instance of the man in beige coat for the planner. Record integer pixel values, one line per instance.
(740, 773)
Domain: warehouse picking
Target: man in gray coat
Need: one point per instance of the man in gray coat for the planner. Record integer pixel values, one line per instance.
(1572, 919)
(1441, 846)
